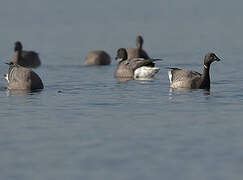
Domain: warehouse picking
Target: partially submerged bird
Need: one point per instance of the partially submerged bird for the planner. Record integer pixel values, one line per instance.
(137, 52)
(21, 78)
(181, 78)
(134, 68)
(96, 58)
(29, 59)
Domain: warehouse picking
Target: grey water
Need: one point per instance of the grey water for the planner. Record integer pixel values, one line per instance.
(87, 125)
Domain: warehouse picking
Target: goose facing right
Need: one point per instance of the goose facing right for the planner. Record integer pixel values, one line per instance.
(181, 78)
(134, 68)
(21, 78)
(29, 59)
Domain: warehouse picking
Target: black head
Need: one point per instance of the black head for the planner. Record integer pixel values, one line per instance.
(139, 42)
(121, 54)
(10, 63)
(11, 66)
(18, 46)
(209, 58)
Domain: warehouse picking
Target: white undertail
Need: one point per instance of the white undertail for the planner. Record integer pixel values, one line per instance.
(145, 72)
(6, 77)
(170, 76)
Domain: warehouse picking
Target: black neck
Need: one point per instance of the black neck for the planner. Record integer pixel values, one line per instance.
(18, 56)
(139, 46)
(205, 78)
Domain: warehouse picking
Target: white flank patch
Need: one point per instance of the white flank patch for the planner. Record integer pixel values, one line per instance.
(170, 76)
(145, 72)
(6, 77)
(119, 60)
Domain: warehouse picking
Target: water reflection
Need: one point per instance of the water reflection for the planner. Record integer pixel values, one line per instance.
(173, 92)
(122, 80)
(206, 92)
(21, 92)
(187, 90)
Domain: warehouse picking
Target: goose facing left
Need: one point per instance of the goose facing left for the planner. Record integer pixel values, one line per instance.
(134, 68)
(29, 59)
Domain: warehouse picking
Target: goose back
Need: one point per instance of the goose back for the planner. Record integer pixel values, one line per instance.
(126, 68)
(95, 58)
(181, 78)
(137, 52)
(21, 78)
(29, 59)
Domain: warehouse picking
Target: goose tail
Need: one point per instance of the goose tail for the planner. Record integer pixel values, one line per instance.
(146, 72)
(170, 76)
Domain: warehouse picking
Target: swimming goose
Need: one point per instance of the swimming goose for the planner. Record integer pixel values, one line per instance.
(137, 52)
(134, 68)
(21, 78)
(97, 58)
(181, 78)
(28, 59)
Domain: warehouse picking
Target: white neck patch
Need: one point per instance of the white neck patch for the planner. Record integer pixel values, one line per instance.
(119, 59)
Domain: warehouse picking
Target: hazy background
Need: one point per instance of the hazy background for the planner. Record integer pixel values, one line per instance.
(75, 27)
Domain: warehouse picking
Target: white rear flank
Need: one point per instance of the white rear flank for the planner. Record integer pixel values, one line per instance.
(170, 76)
(6, 77)
(145, 72)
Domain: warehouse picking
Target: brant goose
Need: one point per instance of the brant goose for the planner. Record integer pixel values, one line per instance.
(181, 78)
(29, 59)
(137, 52)
(96, 58)
(134, 68)
(21, 78)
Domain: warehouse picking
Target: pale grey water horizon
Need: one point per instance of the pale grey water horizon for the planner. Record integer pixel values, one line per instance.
(87, 125)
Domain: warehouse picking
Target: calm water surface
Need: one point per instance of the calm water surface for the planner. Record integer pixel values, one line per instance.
(87, 125)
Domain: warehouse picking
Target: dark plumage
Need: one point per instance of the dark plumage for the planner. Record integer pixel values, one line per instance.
(181, 78)
(21, 78)
(134, 67)
(137, 52)
(29, 59)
